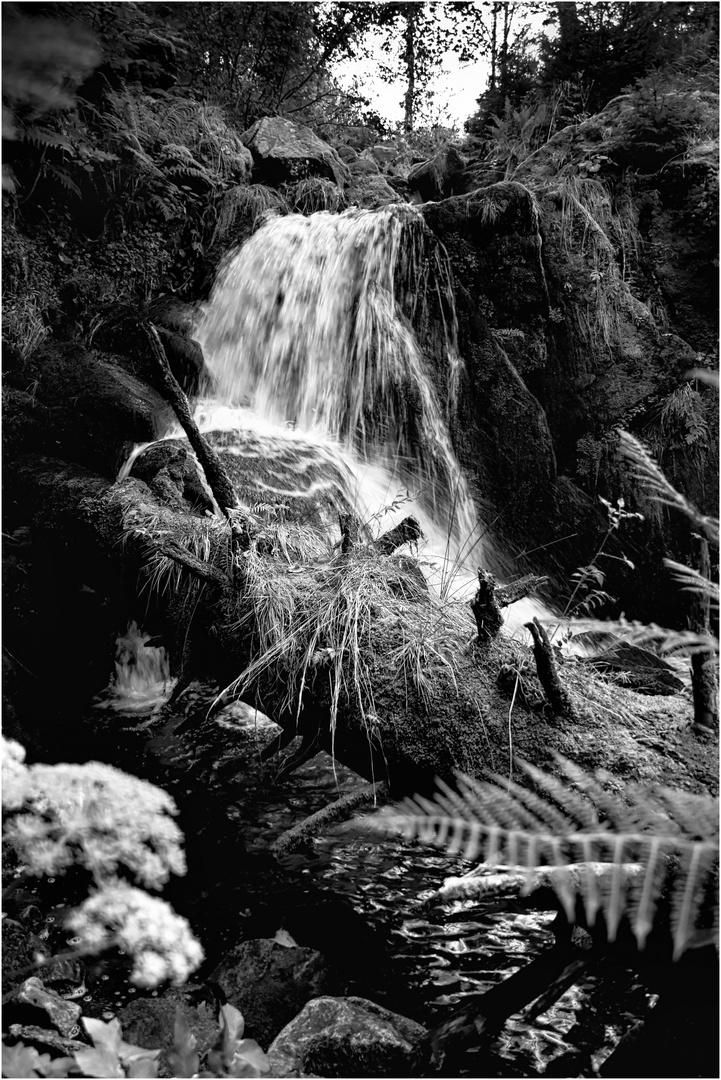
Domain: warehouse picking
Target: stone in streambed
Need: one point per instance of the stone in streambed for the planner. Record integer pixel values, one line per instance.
(269, 983)
(32, 997)
(349, 1037)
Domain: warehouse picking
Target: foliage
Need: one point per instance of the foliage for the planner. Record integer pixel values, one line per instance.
(112, 825)
(657, 843)
(588, 592)
(314, 194)
(110, 1056)
(604, 47)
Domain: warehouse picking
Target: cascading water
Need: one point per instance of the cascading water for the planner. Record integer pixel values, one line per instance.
(142, 674)
(304, 332)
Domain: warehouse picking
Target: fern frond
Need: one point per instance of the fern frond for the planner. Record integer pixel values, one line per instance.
(659, 488)
(669, 642)
(692, 580)
(615, 848)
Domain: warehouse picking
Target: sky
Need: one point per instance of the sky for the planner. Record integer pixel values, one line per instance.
(456, 89)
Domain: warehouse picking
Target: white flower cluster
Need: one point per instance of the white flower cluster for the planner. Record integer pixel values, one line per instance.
(15, 776)
(160, 942)
(93, 815)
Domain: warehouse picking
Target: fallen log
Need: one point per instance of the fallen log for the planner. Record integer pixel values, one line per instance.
(352, 655)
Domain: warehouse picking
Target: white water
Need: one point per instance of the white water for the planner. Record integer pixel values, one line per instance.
(142, 674)
(305, 339)
(309, 350)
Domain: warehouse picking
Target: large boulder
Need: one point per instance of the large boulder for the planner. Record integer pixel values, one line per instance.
(372, 192)
(150, 1022)
(440, 177)
(270, 983)
(94, 410)
(284, 151)
(345, 1037)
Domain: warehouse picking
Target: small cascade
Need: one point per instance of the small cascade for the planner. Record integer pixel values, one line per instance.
(142, 674)
(306, 339)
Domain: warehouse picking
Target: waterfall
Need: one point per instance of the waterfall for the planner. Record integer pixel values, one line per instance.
(307, 344)
(142, 674)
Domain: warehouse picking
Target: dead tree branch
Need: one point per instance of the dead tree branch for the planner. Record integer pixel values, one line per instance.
(556, 693)
(210, 462)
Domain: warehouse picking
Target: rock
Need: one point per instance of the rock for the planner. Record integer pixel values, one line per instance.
(32, 994)
(284, 151)
(150, 1022)
(96, 409)
(347, 154)
(270, 983)
(171, 471)
(186, 361)
(366, 165)
(371, 192)
(644, 672)
(427, 180)
(384, 155)
(345, 1037)
(360, 137)
(440, 177)
(174, 314)
(45, 1040)
(20, 947)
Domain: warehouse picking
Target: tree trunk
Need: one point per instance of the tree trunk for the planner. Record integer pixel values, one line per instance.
(703, 664)
(210, 463)
(410, 62)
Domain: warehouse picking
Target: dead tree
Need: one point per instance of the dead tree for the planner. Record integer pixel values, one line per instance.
(703, 664)
(558, 697)
(491, 597)
(210, 462)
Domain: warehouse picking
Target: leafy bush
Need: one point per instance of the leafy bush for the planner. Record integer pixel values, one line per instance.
(115, 827)
(232, 1055)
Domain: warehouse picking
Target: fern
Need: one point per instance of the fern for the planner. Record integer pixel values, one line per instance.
(649, 473)
(615, 850)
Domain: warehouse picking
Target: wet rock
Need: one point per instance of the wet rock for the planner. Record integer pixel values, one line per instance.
(384, 154)
(96, 409)
(284, 151)
(347, 154)
(150, 1022)
(20, 949)
(186, 361)
(348, 1037)
(65, 976)
(641, 669)
(366, 165)
(372, 192)
(270, 983)
(427, 180)
(32, 995)
(171, 472)
(45, 1040)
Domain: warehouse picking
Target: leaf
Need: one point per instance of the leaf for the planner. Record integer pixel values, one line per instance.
(20, 1060)
(106, 1037)
(183, 1058)
(142, 1067)
(282, 937)
(250, 1060)
(99, 1063)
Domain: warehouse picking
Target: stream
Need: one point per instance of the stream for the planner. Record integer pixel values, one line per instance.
(361, 900)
